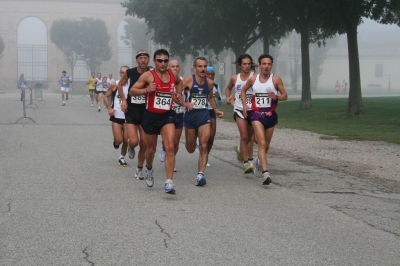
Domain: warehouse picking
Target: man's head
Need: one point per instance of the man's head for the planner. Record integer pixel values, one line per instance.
(200, 66)
(142, 59)
(161, 59)
(265, 62)
(99, 75)
(122, 71)
(245, 62)
(110, 76)
(64, 72)
(174, 66)
(210, 73)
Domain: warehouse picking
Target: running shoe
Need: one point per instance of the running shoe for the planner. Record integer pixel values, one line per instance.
(149, 177)
(98, 110)
(116, 146)
(91, 105)
(161, 156)
(248, 168)
(131, 152)
(208, 165)
(175, 170)
(238, 154)
(257, 168)
(266, 178)
(104, 106)
(122, 162)
(169, 188)
(200, 180)
(139, 174)
(63, 104)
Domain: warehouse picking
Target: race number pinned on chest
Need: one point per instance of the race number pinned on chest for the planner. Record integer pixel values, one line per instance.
(199, 100)
(179, 109)
(248, 100)
(118, 102)
(262, 100)
(162, 101)
(138, 99)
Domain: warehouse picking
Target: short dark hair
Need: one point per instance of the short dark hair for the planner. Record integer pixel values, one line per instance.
(199, 58)
(261, 57)
(160, 52)
(243, 56)
(64, 71)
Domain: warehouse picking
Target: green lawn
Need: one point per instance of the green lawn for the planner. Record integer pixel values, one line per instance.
(380, 122)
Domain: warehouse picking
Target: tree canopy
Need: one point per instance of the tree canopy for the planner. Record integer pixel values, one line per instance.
(189, 26)
(137, 36)
(84, 39)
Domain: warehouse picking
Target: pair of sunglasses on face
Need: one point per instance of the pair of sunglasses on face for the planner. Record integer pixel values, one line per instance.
(159, 60)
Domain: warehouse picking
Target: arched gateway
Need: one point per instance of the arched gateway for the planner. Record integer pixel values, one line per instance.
(39, 58)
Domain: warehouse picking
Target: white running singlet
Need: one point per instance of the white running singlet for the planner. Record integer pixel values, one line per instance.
(118, 113)
(260, 92)
(238, 93)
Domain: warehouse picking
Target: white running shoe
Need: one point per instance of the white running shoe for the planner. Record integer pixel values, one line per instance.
(175, 170)
(266, 178)
(169, 188)
(161, 156)
(139, 174)
(208, 164)
(131, 152)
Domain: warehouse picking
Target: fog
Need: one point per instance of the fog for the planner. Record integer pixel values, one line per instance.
(378, 49)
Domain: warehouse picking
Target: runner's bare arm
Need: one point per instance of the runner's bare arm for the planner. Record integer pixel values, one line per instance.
(246, 86)
(228, 89)
(279, 87)
(108, 93)
(211, 99)
(144, 85)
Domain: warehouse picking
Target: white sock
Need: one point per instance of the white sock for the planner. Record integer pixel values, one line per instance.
(168, 181)
(239, 148)
(121, 157)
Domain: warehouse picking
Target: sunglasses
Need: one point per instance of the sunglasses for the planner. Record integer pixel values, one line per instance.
(162, 60)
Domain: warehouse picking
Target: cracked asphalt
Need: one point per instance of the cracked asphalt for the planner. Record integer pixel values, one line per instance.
(65, 201)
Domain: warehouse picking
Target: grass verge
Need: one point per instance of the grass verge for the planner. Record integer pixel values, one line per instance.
(380, 121)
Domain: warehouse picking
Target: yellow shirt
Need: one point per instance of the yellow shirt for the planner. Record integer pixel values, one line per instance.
(91, 83)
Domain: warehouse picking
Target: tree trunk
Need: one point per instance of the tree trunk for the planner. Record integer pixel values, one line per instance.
(354, 106)
(305, 68)
(237, 52)
(266, 42)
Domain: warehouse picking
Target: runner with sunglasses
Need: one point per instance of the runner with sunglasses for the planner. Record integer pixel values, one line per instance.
(160, 87)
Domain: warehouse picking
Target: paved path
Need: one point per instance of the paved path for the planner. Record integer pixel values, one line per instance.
(65, 201)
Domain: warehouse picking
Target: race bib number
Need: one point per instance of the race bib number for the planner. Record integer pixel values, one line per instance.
(138, 99)
(118, 102)
(199, 100)
(179, 109)
(248, 100)
(162, 101)
(262, 100)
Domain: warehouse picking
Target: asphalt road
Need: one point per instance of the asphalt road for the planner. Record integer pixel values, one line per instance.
(65, 201)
